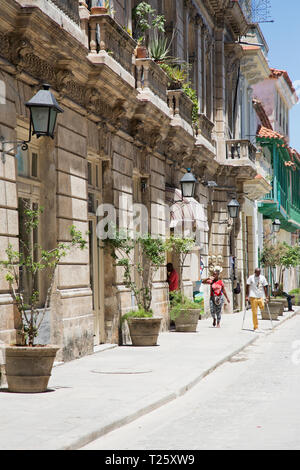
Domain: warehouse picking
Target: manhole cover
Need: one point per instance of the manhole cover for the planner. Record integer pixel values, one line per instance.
(122, 372)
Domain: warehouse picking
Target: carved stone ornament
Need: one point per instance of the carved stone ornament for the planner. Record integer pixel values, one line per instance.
(215, 263)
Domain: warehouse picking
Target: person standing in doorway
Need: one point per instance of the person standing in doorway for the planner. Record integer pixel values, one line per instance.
(217, 293)
(172, 278)
(257, 294)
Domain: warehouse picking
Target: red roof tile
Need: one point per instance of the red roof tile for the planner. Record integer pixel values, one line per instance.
(275, 73)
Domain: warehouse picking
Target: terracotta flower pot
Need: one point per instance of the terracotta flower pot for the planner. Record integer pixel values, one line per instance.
(144, 331)
(28, 369)
(187, 320)
(141, 52)
(282, 302)
(98, 11)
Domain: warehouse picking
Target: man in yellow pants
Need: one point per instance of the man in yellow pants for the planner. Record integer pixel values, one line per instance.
(257, 293)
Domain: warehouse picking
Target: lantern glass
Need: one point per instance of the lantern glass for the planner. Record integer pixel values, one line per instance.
(52, 121)
(234, 208)
(40, 119)
(187, 189)
(276, 225)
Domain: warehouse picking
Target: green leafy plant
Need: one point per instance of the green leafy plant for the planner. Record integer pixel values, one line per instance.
(181, 247)
(27, 303)
(178, 79)
(140, 313)
(150, 255)
(282, 256)
(146, 19)
(192, 94)
(181, 304)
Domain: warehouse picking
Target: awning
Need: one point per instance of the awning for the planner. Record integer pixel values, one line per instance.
(188, 211)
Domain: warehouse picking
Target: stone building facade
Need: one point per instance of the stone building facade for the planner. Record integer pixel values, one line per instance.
(123, 138)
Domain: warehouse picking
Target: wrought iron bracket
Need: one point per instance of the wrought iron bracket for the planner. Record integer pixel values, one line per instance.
(15, 145)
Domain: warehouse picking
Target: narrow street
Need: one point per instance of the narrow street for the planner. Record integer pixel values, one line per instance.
(251, 402)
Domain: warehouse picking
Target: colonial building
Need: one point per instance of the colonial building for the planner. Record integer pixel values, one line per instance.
(274, 97)
(125, 137)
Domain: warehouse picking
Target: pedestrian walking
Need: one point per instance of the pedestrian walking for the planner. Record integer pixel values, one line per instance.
(257, 294)
(217, 294)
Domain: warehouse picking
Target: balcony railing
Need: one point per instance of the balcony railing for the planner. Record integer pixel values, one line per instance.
(150, 76)
(240, 150)
(180, 105)
(69, 7)
(205, 126)
(107, 35)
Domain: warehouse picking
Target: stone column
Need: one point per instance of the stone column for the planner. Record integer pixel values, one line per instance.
(198, 47)
(8, 204)
(220, 124)
(74, 321)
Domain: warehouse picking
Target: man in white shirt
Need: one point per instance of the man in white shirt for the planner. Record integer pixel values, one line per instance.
(257, 293)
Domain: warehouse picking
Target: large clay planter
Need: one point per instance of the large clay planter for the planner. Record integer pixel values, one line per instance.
(144, 331)
(282, 302)
(28, 369)
(275, 309)
(187, 320)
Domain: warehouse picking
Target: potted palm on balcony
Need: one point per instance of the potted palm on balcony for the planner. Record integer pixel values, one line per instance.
(28, 365)
(146, 19)
(149, 256)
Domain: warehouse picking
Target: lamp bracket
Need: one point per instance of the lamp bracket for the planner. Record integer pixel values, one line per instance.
(15, 145)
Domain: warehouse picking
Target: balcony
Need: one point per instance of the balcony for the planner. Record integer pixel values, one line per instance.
(180, 105)
(241, 154)
(108, 38)
(152, 81)
(241, 150)
(69, 7)
(205, 127)
(276, 205)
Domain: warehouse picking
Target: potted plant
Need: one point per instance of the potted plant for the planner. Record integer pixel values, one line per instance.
(101, 8)
(28, 365)
(146, 19)
(150, 255)
(184, 312)
(274, 308)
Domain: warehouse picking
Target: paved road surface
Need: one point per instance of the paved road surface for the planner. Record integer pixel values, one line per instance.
(251, 402)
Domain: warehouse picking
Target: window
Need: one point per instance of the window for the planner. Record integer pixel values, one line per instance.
(27, 163)
(94, 176)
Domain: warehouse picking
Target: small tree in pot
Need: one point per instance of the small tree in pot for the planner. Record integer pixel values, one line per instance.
(146, 19)
(150, 255)
(21, 377)
(184, 312)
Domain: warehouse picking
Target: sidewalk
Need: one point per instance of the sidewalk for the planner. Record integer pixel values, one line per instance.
(96, 394)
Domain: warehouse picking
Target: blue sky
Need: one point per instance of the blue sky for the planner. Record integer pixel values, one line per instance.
(282, 37)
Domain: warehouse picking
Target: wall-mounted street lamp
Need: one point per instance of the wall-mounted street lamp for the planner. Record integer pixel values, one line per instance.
(43, 109)
(276, 225)
(233, 208)
(188, 184)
